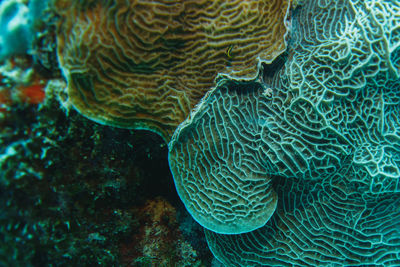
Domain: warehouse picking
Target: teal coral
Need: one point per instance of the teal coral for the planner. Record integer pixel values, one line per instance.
(318, 225)
(218, 171)
(324, 132)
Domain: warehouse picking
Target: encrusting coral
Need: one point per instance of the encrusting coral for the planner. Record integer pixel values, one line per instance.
(146, 64)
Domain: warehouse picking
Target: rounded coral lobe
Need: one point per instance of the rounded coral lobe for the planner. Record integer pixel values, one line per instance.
(323, 131)
(215, 160)
(146, 64)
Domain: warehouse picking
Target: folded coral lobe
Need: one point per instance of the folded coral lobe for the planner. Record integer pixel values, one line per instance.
(215, 160)
(145, 64)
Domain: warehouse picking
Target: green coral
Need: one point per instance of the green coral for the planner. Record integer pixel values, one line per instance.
(323, 131)
(316, 224)
(218, 173)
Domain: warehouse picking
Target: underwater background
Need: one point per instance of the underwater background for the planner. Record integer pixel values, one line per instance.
(200, 133)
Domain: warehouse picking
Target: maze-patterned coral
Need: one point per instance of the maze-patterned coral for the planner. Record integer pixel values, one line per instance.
(325, 131)
(217, 163)
(318, 224)
(344, 67)
(145, 64)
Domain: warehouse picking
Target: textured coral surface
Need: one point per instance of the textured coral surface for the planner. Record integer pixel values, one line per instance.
(323, 132)
(318, 224)
(216, 162)
(145, 64)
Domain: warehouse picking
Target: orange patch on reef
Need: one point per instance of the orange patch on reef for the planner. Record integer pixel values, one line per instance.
(32, 94)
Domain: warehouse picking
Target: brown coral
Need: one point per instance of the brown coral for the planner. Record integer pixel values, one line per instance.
(145, 64)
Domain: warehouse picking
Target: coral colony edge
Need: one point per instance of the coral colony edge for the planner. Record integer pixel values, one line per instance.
(200, 133)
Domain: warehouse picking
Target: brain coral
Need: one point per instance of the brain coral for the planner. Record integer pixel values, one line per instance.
(323, 133)
(217, 162)
(145, 64)
(318, 224)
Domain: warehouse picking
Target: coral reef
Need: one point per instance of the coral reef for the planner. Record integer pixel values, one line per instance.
(222, 179)
(322, 132)
(20, 83)
(145, 64)
(159, 241)
(328, 224)
(286, 145)
(72, 191)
